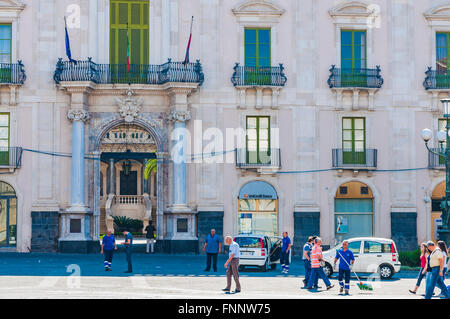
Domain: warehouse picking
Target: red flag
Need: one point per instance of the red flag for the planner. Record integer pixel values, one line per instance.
(186, 58)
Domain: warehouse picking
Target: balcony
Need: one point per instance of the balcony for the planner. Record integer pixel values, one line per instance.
(437, 79)
(258, 76)
(262, 162)
(348, 159)
(10, 157)
(435, 161)
(355, 78)
(139, 73)
(12, 73)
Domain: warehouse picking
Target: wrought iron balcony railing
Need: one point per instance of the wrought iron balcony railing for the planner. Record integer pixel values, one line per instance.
(437, 79)
(12, 73)
(138, 73)
(10, 157)
(434, 160)
(354, 78)
(249, 159)
(258, 75)
(343, 158)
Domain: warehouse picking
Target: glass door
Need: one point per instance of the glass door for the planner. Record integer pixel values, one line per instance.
(8, 222)
(257, 57)
(353, 58)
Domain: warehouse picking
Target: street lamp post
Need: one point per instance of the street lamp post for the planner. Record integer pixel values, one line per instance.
(444, 151)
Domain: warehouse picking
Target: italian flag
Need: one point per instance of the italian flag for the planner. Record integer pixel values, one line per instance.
(128, 52)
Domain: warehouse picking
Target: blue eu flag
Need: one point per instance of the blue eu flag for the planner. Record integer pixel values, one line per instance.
(68, 52)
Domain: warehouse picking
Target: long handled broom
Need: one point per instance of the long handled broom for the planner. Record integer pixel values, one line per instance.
(361, 285)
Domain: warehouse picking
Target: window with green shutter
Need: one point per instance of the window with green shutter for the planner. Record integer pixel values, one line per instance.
(5, 53)
(258, 140)
(134, 15)
(442, 59)
(4, 139)
(354, 140)
(257, 56)
(353, 58)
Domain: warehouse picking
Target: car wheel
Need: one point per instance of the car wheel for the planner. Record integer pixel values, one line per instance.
(328, 269)
(386, 271)
(265, 266)
(273, 266)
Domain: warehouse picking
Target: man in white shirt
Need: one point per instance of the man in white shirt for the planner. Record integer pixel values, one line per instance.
(232, 265)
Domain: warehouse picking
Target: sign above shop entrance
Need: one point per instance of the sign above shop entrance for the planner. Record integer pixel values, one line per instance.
(258, 190)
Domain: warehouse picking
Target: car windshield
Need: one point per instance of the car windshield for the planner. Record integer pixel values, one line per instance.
(248, 242)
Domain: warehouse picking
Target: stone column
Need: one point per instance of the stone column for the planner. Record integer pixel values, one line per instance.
(112, 177)
(179, 119)
(145, 181)
(78, 117)
(78, 233)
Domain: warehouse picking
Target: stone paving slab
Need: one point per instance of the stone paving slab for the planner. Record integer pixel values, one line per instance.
(165, 276)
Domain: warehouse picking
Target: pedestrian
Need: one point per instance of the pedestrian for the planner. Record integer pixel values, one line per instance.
(307, 259)
(212, 246)
(107, 249)
(285, 252)
(150, 235)
(232, 265)
(436, 268)
(128, 249)
(316, 268)
(307, 262)
(444, 250)
(346, 260)
(423, 266)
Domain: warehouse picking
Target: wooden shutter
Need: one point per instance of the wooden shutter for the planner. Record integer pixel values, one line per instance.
(135, 13)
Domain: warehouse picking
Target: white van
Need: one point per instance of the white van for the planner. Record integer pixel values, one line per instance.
(259, 250)
(372, 255)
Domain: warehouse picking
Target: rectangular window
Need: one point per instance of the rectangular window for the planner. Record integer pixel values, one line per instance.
(4, 139)
(134, 15)
(442, 59)
(354, 140)
(353, 58)
(442, 52)
(258, 140)
(257, 56)
(5, 52)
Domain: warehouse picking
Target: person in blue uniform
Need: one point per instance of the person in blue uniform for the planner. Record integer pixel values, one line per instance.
(285, 252)
(346, 260)
(128, 243)
(107, 249)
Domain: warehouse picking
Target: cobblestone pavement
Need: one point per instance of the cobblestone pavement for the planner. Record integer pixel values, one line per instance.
(165, 276)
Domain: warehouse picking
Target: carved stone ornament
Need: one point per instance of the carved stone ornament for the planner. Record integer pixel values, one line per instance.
(129, 107)
(78, 115)
(179, 116)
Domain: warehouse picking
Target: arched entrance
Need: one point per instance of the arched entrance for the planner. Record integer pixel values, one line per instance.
(127, 199)
(8, 216)
(258, 209)
(353, 211)
(436, 199)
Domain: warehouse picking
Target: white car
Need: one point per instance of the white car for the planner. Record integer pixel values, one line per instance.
(259, 250)
(372, 255)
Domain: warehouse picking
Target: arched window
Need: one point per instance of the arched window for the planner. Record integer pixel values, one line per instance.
(436, 199)
(258, 209)
(353, 207)
(8, 216)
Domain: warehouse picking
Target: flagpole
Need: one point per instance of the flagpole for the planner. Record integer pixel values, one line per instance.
(186, 59)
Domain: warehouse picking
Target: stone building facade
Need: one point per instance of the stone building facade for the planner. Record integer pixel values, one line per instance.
(332, 96)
